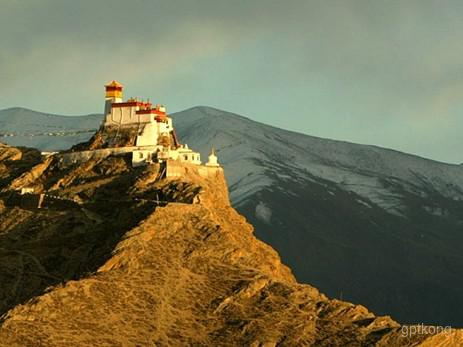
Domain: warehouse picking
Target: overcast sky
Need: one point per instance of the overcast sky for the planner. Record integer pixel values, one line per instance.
(380, 72)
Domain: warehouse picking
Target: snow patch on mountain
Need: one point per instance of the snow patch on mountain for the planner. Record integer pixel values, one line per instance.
(263, 212)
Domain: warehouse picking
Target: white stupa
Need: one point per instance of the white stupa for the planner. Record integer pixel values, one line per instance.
(212, 159)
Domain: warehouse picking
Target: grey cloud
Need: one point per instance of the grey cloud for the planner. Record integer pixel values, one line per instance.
(331, 64)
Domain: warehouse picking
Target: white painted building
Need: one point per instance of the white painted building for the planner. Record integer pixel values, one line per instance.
(156, 140)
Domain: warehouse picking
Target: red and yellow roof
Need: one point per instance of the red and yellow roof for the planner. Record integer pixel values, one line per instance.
(114, 83)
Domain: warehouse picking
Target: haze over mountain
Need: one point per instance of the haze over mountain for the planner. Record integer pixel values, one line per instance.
(363, 223)
(48, 132)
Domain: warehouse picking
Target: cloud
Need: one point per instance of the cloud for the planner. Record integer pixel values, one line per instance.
(330, 64)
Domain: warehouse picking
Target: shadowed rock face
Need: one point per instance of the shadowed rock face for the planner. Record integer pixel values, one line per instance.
(114, 268)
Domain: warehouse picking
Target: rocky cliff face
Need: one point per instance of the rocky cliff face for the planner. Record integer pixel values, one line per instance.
(118, 257)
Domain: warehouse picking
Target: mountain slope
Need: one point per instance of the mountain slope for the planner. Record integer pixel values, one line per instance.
(360, 222)
(185, 272)
(363, 223)
(23, 127)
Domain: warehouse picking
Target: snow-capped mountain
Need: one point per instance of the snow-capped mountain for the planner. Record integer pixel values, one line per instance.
(363, 223)
(373, 225)
(259, 155)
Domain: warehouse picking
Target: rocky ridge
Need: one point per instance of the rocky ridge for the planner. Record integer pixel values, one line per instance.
(118, 256)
